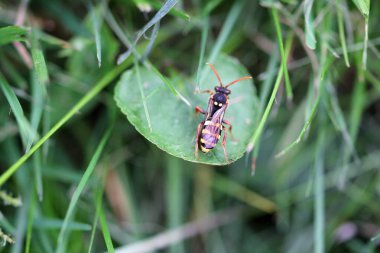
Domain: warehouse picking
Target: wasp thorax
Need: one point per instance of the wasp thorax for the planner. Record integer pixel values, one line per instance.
(219, 99)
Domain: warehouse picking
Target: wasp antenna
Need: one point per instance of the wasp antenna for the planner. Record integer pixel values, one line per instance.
(216, 73)
(238, 80)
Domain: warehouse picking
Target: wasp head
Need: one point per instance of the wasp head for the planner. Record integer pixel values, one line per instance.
(221, 89)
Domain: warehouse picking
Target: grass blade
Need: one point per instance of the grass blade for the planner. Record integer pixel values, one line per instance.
(365, 47)
(223, 36)
(309, 25)
(96, 24)
(342, 35)
(25, 128)
(174, 193)
(363, 6)
(11, 34)
(82, 184)
(304, 129)
(30, 223)
(105, 230)
(114, 25)
(168, 84)
(152, 39)
(40, 79)
(260, 127)
(106, 80)
(168, 5)
(98, 197)
(284, 55)
(319, 197)
(39, 63)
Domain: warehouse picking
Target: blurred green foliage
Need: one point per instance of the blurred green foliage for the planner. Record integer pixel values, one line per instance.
(315, 155)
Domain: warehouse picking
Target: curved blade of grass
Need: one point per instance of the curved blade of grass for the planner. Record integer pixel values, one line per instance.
(39, 63)
(309, 24)
(342, 35)
(152, 39)
(269, 76)
(106, 232)
(11, 34)
(363, 6)
(338, 117)
(98, 197)
(98, 41)
(168, 83)
(174, 12)
(372, 80)
(259, 129)
(82, 184)
(39, 82)
(96, 25)
(37, 166)
(284, 55)
(223, 36)
(304, 129)
(210, 6)
(106, 80)
(26, 130)
(117, 29)
(168, 5)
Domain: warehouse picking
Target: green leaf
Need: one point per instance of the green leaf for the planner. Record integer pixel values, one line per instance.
(11, 34)
(173, 123)
(363, 6)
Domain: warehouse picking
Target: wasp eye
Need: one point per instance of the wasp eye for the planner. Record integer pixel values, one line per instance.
(215, 103)
(220, 105)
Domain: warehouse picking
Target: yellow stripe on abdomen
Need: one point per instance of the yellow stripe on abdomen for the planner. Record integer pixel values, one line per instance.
(205, 150)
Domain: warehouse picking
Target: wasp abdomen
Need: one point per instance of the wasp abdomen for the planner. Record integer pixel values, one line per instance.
(209, 136)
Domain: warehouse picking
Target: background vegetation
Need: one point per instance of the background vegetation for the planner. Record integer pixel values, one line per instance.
(77, 177)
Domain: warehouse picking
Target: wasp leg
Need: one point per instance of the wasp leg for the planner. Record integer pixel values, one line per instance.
(224, 143)
(197, 91)
(200, 125)
(229, 128)
(199, 110)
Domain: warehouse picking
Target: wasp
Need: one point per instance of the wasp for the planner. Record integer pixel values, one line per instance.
(209, 130)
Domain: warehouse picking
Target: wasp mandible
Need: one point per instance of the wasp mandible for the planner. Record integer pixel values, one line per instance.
(209, 130)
